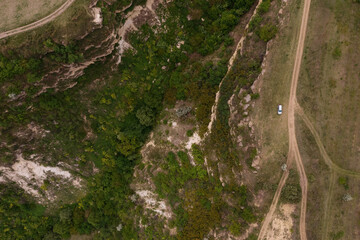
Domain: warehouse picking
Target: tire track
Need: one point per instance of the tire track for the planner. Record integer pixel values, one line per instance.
(327, 206)
(323, 152)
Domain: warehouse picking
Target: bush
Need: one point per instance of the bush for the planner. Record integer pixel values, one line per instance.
(267, 32)
(337, 236)
(255, 22)
(235, 228)
(344, 181)
(337, 53)
(291, 193)
(190, 132)
(264, 7)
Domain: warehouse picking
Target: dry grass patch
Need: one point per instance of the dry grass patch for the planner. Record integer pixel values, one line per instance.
(21, 12)
(329, 82)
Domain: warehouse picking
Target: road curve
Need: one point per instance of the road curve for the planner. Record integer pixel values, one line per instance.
(38, 23)
(323, 152)
(293, 146)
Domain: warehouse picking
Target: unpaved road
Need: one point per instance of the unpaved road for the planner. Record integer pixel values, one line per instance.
(38, 23)
(293, 146)
(323, 152)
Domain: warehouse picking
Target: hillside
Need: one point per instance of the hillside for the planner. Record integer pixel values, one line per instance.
(155, 119)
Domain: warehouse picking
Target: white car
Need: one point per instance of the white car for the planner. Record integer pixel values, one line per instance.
(279, 109)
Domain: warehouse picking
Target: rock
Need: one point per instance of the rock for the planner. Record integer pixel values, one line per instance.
(347, 197)
(246, 106)
(182, 111)
(118, 228)
(12, 96)
(284, 167)
(247, 98)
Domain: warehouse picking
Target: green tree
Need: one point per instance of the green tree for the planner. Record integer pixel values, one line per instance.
(146, 116)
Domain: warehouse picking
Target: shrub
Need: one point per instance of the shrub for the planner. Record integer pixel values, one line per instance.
(264, 7)
(336, 53)
(267, 32)
(190, 132)
(344, 181)
(255, 22)
(291, 193)
(337, 236)
(235, 228)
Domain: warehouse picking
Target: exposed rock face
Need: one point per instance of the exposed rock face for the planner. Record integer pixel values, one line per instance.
(34, 177)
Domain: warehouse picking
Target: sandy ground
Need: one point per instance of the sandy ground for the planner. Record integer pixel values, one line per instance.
(282, 224)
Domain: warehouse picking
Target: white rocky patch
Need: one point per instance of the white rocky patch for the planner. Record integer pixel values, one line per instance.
(30, 176)
(96, 12)
(194, 139)
(152, 203)
(179, 44)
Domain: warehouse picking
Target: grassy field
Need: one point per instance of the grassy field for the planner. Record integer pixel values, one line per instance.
(329, 82)
(328, 92)
(319, 178)
(70, 25)
(329, 215)
(274, 90)
(20, 12)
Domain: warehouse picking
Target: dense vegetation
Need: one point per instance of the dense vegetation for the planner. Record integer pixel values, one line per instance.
(121, 114)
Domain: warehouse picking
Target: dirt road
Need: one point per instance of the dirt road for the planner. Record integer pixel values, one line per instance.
(38, 23)
(323, 152)
(293, 146)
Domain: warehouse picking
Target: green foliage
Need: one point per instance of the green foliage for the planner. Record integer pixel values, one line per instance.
(10, 68)
(197, 154)
(291, 193)
(337, 52)
(255, 95)
(21, 220)
(337, 236)
(228, 21)
(146, 116)
(120, 115)
(267, 32)
(264, 7)
(255, 22)
(235, 228)
(252, 236)
(194, 207)
(63, 54)
(344, 181)
(190, 132)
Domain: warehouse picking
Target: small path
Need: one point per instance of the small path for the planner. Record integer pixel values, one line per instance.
(327, 206)
(323, 152)
(38, 23)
